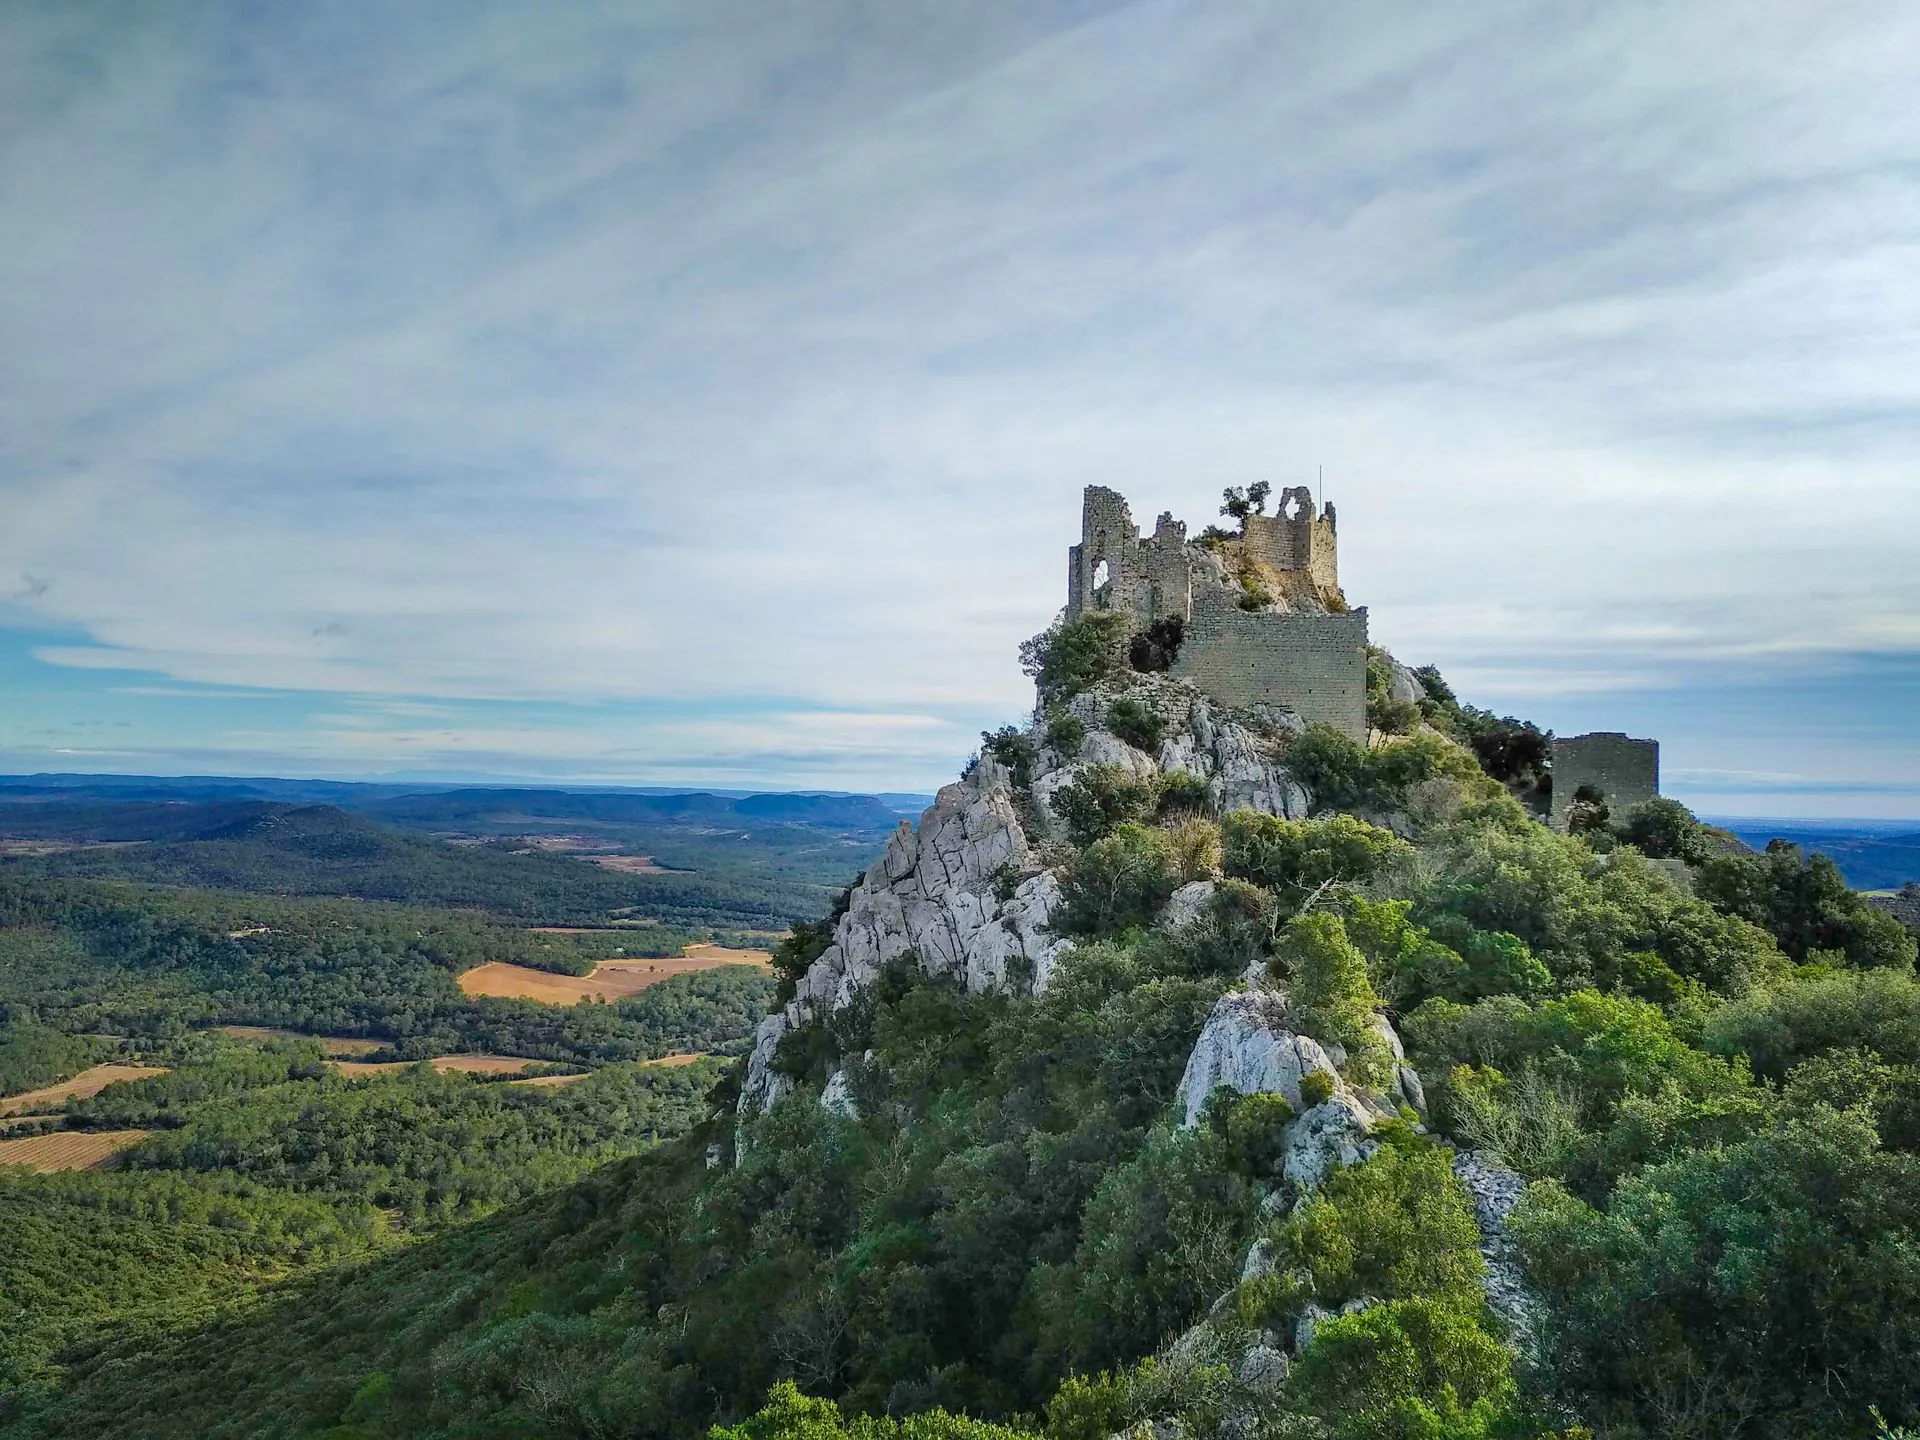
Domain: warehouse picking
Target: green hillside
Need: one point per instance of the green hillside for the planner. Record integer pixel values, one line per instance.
(1705, 1073)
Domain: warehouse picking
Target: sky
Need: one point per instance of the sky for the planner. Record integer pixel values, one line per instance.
(703, 392)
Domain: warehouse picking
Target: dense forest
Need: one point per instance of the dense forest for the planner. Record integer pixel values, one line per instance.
(84, 957)
(261, 1161)
(763, 882)
(1705, 1061)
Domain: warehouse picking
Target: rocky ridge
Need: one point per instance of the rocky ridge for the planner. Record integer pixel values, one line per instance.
(969, 893)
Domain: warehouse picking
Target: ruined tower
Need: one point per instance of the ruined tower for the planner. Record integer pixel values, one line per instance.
(1265, 624)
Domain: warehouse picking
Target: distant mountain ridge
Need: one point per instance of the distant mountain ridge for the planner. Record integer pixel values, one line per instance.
(805, 806)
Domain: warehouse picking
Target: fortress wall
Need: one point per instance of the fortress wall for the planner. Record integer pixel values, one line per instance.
(1315, 665)
(1625, 771)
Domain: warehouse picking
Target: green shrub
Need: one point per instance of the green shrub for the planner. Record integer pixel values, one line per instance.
(1397, 1226)
(1184, 793)
(1767, 1288)
(1013, 748)
(1293, 858)
(1137, 724)
(1532, 1121)
(1162, 1237)
(1316, 1088)
(1384, 713)
(1342, 774)
(1195, 846)
(1233, 931)
(790, 1415)
(1252, 1128)
(1065, 733)
(1806, 905)
(1405, 963)
(1664, 829)
(1413, 1369)
(1075, 655)
(1118, 881)
(1777, 1029)
(1328, 993)
(1103, 796)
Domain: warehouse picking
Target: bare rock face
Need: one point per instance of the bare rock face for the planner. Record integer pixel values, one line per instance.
(964, 893)
(1246, 1045)
(1333, 1134)
(837, 1097)
(1187, 904)
(1199, 742)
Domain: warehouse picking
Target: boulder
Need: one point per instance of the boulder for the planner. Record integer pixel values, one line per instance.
(1187, 904)
(1263, 1368)
(1245, 1044)
(1332, 1134)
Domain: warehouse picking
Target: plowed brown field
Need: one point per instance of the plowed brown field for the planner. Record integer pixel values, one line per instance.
(610, 980)
(68, 1150)
(87, 1082)
(463, 1064)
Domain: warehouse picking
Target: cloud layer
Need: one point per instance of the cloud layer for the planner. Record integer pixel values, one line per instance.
(749, 362)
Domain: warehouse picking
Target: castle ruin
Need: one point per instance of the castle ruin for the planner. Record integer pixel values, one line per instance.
(1264, 623)
(1616, 769)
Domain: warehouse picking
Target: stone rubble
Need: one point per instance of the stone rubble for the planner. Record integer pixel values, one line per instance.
(1496, 1190)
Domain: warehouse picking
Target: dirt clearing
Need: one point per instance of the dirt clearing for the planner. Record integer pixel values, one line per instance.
(610, 980)
(334, 1045)
(86, 1083)
(68, 1150)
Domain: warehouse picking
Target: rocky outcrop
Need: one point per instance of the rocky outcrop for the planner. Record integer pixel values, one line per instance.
(1246, 1046)
(1187, 904)
(964, 893)
(1331, 1135)
(1232, 758)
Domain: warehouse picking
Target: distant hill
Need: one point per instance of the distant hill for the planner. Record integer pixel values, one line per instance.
(446, 806)
(279, 849)
(1870, 858)
(497, 807)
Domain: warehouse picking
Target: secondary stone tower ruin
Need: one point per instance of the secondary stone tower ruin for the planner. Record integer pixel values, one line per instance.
(1264, 623)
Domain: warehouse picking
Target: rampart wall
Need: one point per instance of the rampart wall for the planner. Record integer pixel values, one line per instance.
(1314, 665)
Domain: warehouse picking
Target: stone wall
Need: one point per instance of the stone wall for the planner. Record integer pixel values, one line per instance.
(1295, 539)
(1112, 568)
(1625, 771)
(1314, 665)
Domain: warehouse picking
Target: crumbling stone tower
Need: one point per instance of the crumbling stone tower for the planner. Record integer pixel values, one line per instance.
(1621, 771)
(1265, 623)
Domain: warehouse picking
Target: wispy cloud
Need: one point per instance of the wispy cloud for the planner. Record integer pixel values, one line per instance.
(721, 356)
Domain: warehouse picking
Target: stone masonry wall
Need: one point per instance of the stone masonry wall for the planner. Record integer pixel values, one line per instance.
(1625, 771)
(1314, 665)
(1296, 539)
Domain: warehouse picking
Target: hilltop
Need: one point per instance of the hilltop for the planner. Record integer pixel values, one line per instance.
(1196, 1068)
